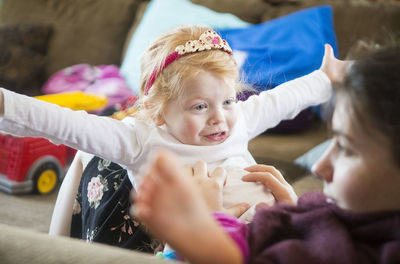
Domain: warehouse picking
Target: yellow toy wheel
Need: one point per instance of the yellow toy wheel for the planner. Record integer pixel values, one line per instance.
(46, 178)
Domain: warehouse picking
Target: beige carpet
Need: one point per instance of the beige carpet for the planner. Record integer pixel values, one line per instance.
(29, 211)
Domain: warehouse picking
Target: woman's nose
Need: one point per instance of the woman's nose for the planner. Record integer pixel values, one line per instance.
(323, 167)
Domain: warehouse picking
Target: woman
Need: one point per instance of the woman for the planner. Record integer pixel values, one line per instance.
(355, 220)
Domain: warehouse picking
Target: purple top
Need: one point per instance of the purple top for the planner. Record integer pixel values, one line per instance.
(236, 229)
(317, 231)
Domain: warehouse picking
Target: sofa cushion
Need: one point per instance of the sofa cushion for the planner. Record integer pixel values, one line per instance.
(159, 17)
(248, 10)
(86, 31)
(23, 50)
(138, 17)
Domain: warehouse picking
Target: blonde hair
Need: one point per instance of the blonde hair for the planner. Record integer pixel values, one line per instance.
(169, 83)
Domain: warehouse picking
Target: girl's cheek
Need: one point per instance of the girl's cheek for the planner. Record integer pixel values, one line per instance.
(191, 124)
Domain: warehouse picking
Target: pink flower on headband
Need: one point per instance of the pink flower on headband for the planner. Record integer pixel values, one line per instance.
(207, 41)
(215, 40)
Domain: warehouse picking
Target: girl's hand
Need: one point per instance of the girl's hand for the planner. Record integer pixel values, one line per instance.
(211, 186)
(334, 68)
(273, 180)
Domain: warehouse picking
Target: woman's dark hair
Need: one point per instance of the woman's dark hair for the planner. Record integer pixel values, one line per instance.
(373, 85)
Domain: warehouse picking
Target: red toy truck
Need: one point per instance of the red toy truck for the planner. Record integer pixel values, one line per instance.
(31, 164)
(35, 164)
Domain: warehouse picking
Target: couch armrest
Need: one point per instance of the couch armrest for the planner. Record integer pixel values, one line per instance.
(18, 245)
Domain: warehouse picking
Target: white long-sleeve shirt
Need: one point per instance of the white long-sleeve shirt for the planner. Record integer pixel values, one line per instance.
(131, 142)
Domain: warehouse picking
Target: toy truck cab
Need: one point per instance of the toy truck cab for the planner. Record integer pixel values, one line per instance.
(31, 164)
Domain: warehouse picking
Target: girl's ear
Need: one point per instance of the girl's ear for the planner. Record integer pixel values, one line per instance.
(159, 120)
(146, 105)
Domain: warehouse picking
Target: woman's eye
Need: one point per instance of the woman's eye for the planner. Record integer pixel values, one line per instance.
(342, 148)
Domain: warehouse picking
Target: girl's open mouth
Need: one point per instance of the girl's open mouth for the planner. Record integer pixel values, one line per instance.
(217, 136)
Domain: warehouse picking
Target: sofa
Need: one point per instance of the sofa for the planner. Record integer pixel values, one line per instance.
(18, 245)
(41, 37)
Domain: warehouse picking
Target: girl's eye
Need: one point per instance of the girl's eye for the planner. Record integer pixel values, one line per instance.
(229, 102)
(200, 107)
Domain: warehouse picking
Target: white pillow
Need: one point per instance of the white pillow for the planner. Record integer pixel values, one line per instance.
(159, 17)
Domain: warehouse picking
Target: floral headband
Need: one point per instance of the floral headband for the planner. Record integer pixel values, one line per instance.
(208, 40)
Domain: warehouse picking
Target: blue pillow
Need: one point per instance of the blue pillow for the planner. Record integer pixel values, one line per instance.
(282, 49)
(159, 17)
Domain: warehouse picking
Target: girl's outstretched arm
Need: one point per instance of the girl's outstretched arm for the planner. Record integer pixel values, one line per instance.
(111, 139)
(173, 209)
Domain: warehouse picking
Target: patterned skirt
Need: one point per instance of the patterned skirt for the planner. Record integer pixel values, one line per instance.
(101, 209)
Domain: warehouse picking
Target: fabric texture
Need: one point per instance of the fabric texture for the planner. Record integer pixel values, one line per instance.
(159, 17)
(101, 209)
(250, 10)
(20, 245)
(100, 80)
(236, 230)
(317, 231)
(23, 50)
(131, 142)
(87, 31)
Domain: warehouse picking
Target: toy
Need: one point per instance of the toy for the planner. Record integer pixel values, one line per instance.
(31, 164)
(76, 100)
(35, 164)
(100, 79)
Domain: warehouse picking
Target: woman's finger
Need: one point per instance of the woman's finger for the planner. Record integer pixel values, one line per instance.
(188, 171)
(261, 206)
(270, 169)
(256, 168)
(266, 178)
(237, 210)
(281, 192)
(219, 175)
(200, 170)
